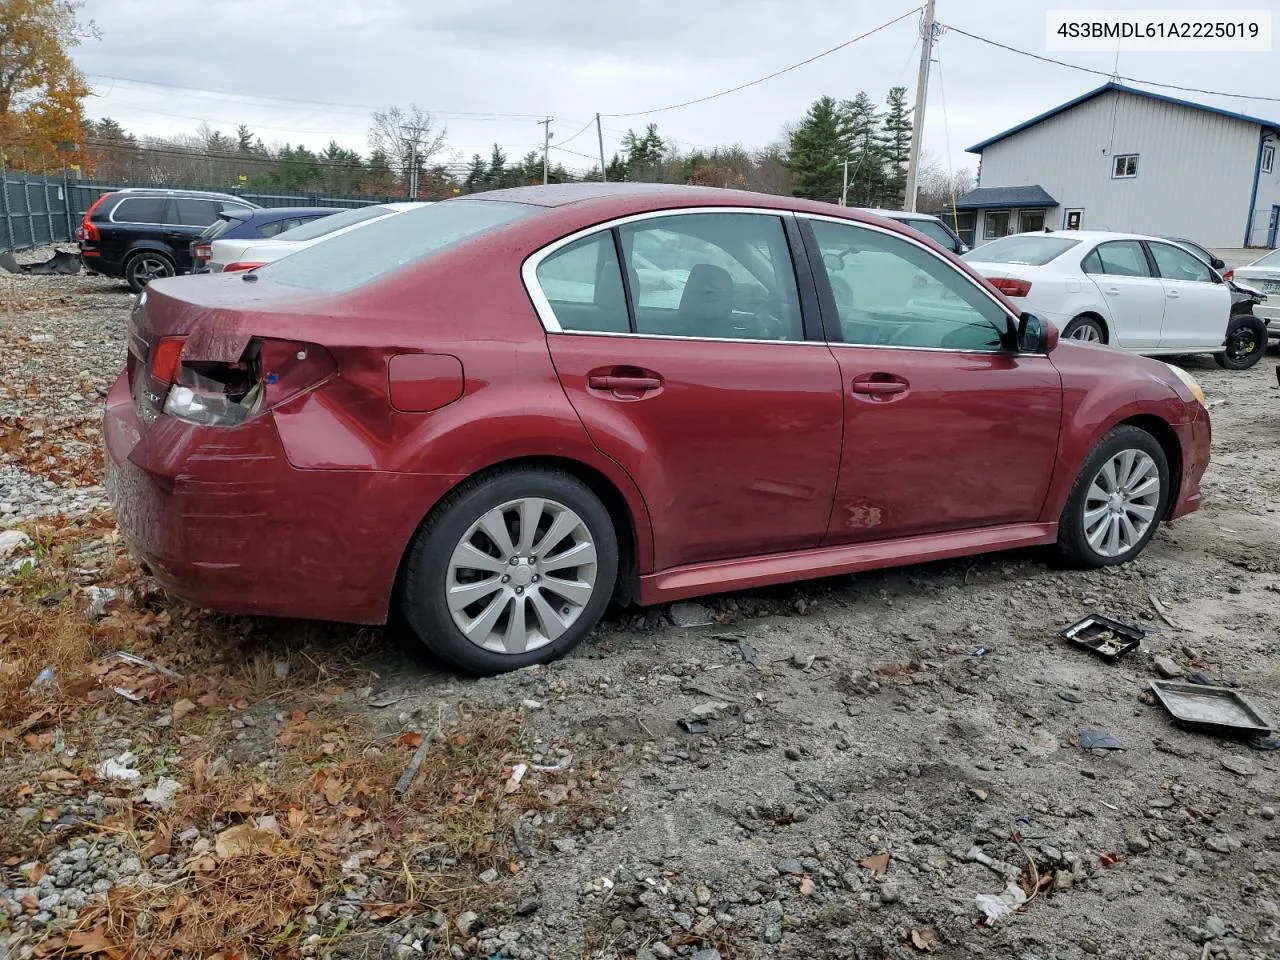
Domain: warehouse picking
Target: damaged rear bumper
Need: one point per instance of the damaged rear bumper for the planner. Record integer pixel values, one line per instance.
(225, 522)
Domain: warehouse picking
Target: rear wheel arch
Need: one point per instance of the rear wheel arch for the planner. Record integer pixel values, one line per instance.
(1096, 318)
(624, 520)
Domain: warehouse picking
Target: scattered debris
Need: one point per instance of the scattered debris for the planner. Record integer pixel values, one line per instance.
(693, 726)
(163, 794)
(1240, 765)
(1097, 740)
(995, 907)
(11, 540)
(1218, 710)
(138, 661)
(925, 939)
(61, 264)
(978, 794)
(1164, 613)
(1108, 638)
(1167, 667)
(877, 864)
(977, 855)
(43, 679)
(411, 772)
(99, 598)
(690, 615)
(119, 768)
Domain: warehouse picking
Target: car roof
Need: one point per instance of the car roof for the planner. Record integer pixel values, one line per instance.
(166, 192)
(610, 200)
(1094, 236)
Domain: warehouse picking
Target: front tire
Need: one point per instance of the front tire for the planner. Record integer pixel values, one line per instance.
(511, 569)
(1245, 343)
(145, 266)
(1118, 500)
(1087, 329)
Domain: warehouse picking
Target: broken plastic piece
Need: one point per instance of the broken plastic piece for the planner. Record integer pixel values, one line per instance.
(996, 907)
(1108, 638)
(1097, 740)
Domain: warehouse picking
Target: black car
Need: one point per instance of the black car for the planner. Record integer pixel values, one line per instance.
(141, 233)
(251, 224)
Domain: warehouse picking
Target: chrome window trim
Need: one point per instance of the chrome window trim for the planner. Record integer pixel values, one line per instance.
(933, 253)
(547, 316)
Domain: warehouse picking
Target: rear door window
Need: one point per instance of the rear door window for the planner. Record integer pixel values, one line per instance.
(140, 210)
(1123, 258)
(196, 213)
(583, 285)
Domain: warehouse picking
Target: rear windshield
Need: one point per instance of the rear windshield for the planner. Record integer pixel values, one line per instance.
(355, 258)
(216, 229)
(1272, 259)
(325, 225)
(1034, 251)
(933, 230)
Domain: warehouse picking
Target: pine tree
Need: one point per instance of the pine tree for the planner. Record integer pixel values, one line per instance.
(477, 174)
(868, 181)
(896, 132)
(497, 169)
(817, 150)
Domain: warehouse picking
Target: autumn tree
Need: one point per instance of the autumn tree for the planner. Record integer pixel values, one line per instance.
(40, 86)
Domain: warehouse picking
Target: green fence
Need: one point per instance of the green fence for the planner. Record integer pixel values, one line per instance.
(37, 211)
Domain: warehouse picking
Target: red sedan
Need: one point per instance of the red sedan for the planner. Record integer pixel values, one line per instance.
(500, 412)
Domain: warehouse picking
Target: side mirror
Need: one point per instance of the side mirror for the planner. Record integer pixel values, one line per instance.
(1217, 263)
(963, 249)
(1036, 335)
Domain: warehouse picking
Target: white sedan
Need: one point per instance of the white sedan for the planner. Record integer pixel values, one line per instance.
(1137, 293)
(245, 254)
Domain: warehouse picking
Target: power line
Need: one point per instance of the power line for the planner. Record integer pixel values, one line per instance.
(776, 73)
(1105, 73)
(585, 127)
(327, 103)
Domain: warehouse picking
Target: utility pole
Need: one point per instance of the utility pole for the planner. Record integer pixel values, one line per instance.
(413, 169)
(546, 149)
(600, 136)
(922, 91)
(844, 189)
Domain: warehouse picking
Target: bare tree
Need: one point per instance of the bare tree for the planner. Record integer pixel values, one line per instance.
(401, 133)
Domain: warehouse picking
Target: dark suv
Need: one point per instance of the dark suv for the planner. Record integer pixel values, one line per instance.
(141, 233)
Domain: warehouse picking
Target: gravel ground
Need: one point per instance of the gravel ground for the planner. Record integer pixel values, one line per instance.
(878, 753)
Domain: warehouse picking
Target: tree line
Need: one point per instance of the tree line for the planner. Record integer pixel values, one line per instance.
(43, 128)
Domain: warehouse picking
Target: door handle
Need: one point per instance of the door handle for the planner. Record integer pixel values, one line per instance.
(1174, 295)
(1113, 291)
(879, 388)
(613, 382)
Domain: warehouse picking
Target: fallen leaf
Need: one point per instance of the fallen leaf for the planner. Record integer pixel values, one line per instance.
(926, 939)
(209, 701)
(1109, 859)
(411, 739)
(978, 794)
(37, 873)
(243, 840)
(879, 863)
(160, 842)
(181, 708)
(333, 790)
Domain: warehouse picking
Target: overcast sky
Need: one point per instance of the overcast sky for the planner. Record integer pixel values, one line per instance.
(571, 59)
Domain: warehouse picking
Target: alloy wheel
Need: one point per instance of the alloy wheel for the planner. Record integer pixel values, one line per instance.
(146, 269)
(1087, 332)
(521, 575)
(1121, 504)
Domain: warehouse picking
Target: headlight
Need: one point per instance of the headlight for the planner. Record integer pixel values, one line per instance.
(1188, 381)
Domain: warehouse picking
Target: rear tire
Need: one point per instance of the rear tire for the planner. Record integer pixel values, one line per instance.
(1245, 343)
(1087, 329)
(1119, 498)
(489, 596)
(147, 265)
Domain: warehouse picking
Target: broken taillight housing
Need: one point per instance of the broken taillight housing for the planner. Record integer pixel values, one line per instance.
(215, 393)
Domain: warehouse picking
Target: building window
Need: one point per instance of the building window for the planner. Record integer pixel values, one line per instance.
(1125, 166)
(995, 224)
(1268, 158)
